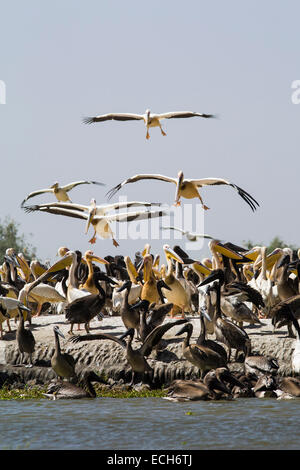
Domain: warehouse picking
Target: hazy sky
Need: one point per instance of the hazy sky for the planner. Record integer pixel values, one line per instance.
(63, 60)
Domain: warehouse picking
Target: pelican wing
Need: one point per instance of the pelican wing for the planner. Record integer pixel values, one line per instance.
(79, 339)
(70, 186)
(36, 193)
(124, 205)
(182, 114)
(174, 228)
(135, 178)
(59, 205)
(156, 335)
(52, 209)
(130, 216)
(114, 117)
(219, 181)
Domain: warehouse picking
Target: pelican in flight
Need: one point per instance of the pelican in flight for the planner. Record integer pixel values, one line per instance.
(97, 215)
(187, 188)
(60, 192)
(191, 236)
(150, 120)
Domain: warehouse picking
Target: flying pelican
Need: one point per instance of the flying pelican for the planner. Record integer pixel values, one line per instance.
(191, 236)
(99, 221)
(187, 188)
(60, 192)
(150, 120)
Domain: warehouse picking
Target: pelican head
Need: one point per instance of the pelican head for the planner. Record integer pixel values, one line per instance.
(92, 213)
(54, 186)
(170, 254)
(179, 184)
(89, 254)
(57, 330)
(147, 113)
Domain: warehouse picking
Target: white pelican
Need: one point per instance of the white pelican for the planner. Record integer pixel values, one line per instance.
(100, 222)
(187, 188)
(191, 236)
(177, 295)
(60, 192)
(150, 120)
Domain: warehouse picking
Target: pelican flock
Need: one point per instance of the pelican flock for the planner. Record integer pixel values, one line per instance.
(209, 304)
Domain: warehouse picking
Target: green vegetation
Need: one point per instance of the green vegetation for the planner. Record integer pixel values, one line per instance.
(276, 242)
(11, 238)
(130, 393)
(8, 393)
(37, 392)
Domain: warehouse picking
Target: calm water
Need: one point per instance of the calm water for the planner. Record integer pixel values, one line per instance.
(149, 423)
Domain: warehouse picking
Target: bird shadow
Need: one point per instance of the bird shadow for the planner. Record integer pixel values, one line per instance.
(10, 335)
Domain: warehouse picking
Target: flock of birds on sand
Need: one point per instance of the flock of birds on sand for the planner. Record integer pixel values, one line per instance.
(234, 288)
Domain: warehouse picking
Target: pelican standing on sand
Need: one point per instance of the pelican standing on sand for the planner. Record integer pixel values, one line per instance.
(187, 188)
(150, 120)
(60, 192)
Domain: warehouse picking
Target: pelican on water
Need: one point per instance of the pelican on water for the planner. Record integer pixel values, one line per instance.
(96, 215)
(187, 188)
(150, 120)
(60, 192)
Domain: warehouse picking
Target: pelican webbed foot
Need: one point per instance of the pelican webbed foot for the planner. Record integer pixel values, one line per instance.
(115, 243)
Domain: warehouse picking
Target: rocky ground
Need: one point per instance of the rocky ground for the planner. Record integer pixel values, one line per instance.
(108, 358)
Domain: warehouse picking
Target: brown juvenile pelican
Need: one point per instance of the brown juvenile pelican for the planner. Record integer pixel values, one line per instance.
(135, 357)
(200, 356)
(226, 331)
(63, 364)
(60, 192)
(67, 390)
(25, 339)
(209, 343)
(261, 365)
(150, 119)
(187, 188)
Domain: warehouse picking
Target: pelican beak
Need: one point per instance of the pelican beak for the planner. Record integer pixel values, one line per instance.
(60, 333)
(147, 265)
(99, 260)
(253, 253)
(171, 254)
(178, 189)
(200, 268)
(223, 250)
(146, 250)
(89, 220)
(64, 262)
(204, 313)
(133, 274)
(271, 259)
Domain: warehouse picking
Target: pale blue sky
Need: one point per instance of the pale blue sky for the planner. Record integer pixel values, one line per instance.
(63, 60)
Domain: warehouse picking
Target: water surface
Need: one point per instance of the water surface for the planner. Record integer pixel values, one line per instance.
(149, 423)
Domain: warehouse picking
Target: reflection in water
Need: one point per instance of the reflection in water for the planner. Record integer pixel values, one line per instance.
(149, 423)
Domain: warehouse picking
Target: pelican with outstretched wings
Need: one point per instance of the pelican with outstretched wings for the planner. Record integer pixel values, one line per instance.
(97, 215)
(191, 236)
(60, 192)
(187, 188)
(150, 120)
